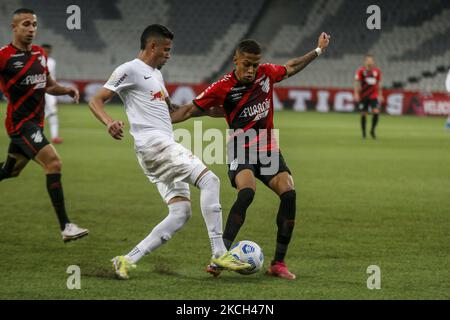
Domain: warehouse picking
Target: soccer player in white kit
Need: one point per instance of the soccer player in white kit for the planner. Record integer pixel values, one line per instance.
(140, 85)
(51, 110)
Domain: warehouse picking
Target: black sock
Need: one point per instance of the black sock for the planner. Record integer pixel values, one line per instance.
(6, 168)
(285, 223)
(363, 125)
(55, 190)
(374, 122)
(237, 215)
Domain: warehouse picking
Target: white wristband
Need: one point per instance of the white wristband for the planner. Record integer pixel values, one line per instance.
(318, 51)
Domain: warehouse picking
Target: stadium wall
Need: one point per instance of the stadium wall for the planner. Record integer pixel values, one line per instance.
(397, 102)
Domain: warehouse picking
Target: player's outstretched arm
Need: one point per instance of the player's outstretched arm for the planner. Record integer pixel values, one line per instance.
(97, 106)
(55, 89)
(184, 112)
(296, 65)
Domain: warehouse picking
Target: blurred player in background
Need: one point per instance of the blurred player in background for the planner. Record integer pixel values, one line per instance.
(368, 93)
(51, 109)
(447, 86)
(140, 85)
(246, 97)
(24, 79)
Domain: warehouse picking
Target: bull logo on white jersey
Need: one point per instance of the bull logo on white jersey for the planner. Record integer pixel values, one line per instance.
(158, 95)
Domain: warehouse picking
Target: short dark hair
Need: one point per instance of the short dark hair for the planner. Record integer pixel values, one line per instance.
(155, 30)
(23, 10)
(46, 46)
(249, 46)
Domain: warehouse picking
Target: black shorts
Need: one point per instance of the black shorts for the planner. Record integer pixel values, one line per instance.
(365, 104)
(29, 141)
(264, 168)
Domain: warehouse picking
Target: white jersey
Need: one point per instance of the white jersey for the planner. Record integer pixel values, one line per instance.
(51, 65)
(447, 82)
(50, 100)
(143, 93)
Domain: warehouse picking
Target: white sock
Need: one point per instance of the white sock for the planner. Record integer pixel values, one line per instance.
(53, 124)
(209, 185)
(179, 214)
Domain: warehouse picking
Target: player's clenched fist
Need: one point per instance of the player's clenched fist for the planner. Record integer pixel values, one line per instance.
(115, 129)
(324, 40)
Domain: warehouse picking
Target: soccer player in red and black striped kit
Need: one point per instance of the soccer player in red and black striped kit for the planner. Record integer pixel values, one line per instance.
(368, 93)
(245, 98)
(24, 79)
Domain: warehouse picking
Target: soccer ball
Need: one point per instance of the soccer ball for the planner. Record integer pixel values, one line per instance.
(250, 252)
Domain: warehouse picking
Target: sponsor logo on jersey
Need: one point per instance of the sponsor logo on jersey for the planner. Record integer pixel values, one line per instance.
(158, 95)
(258, 111)
(37, 137)
(121, 79)
(34, 79)
(371, 80)
(265, 86)
(238, 88)
(42, 61)
(18, 64)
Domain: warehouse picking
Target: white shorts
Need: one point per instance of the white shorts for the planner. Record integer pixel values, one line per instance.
(171, 166)
(174, 189)
(50, 105)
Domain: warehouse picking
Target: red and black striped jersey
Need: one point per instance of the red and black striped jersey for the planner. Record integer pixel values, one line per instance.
(247, 106)
(369, 80)
(23, 78)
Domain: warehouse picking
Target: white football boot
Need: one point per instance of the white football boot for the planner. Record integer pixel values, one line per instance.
(73, 232)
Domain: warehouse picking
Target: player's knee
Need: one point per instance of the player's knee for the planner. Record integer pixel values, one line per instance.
(245, 196)
(54, 165)
(181, 212)
(209, 180)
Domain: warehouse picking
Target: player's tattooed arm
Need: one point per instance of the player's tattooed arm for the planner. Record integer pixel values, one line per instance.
(55, 89)
(172, 106)
(97, 106)
(298, 64)
(187, 111)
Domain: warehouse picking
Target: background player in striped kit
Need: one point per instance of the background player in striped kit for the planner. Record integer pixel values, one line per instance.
(24, 80)
(368, 94)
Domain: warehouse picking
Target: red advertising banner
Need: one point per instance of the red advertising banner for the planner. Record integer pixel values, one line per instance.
(396, 102)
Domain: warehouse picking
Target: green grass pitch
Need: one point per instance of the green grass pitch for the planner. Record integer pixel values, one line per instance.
(360, 203)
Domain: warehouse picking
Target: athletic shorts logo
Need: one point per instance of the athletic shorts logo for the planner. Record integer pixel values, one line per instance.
(37, 137)
(234, 164)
